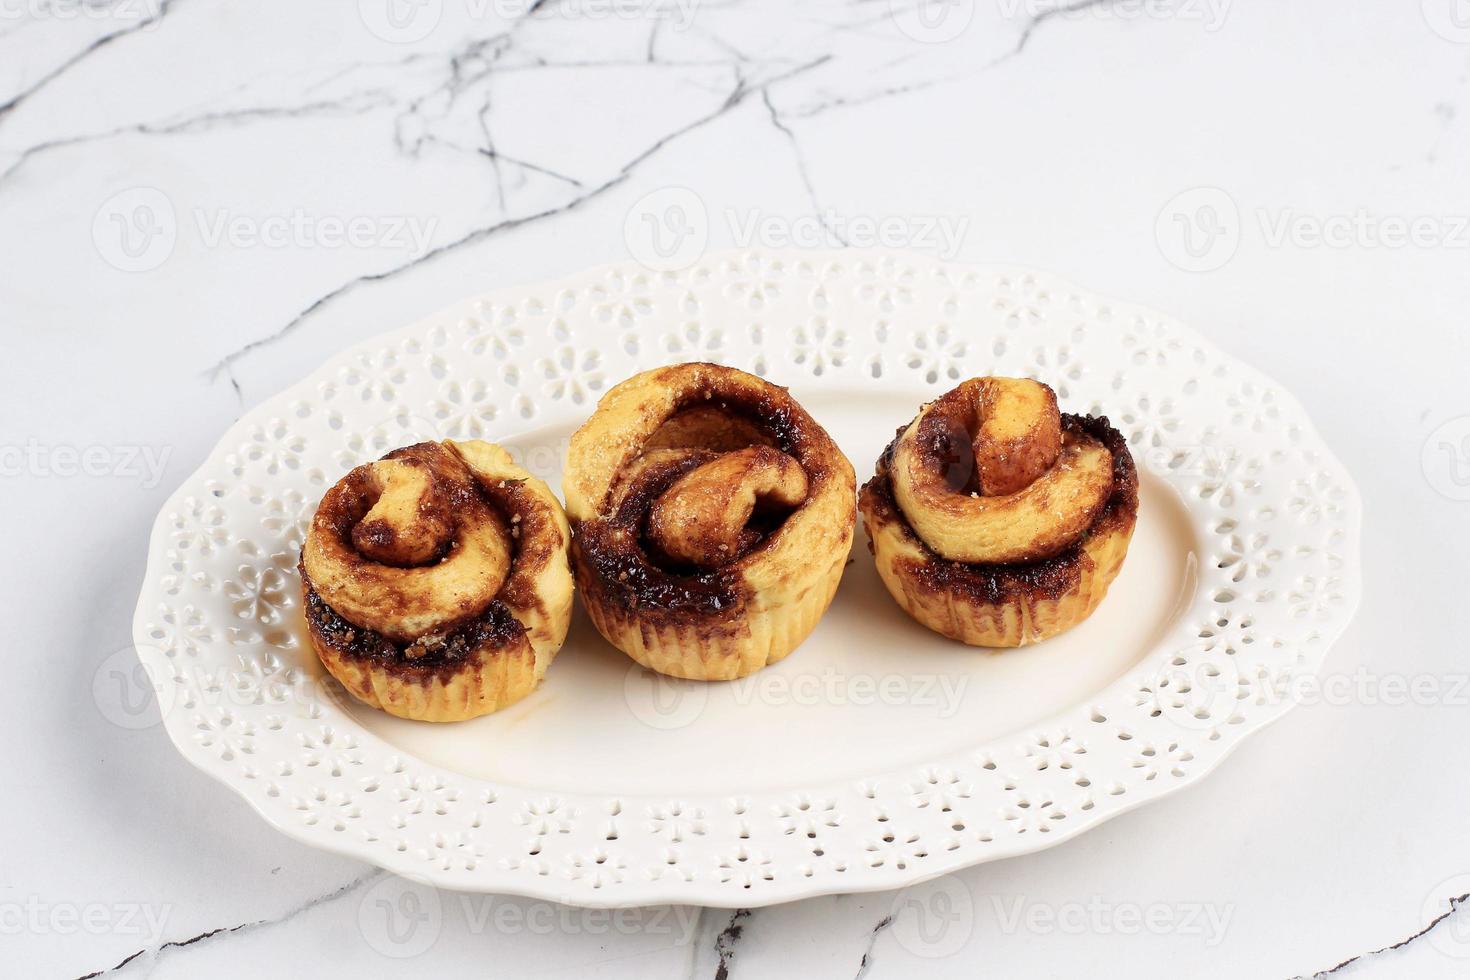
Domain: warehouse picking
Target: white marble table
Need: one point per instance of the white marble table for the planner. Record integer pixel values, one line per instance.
(202, 199)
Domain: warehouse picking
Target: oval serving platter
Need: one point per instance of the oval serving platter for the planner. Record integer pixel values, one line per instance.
(875, 756)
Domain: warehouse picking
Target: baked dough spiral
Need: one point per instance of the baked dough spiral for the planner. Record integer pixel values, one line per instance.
(998, 521)
(712, 519)
(436, 581)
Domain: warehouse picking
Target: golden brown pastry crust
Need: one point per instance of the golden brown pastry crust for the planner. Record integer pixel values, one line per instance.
(712, 519)
(1070, 526)
(436, 581)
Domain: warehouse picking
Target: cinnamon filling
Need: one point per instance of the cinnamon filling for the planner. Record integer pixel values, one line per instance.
(708, 490)
(443, 654)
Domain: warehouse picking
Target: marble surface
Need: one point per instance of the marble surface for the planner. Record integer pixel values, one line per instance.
(200, 200)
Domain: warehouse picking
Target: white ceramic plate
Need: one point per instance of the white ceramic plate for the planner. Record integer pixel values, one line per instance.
(875, 756)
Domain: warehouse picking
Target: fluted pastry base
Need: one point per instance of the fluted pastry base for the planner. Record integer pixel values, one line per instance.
(489, 664)
(733, 643)
(1003, 605)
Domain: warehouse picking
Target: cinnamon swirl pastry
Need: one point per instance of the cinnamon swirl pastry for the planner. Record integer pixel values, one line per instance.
(998, 521)
(436, 581)
(711, 520)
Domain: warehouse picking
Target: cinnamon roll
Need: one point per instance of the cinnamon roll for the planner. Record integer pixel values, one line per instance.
(998, 521)
(436, 581)
(711, 520)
